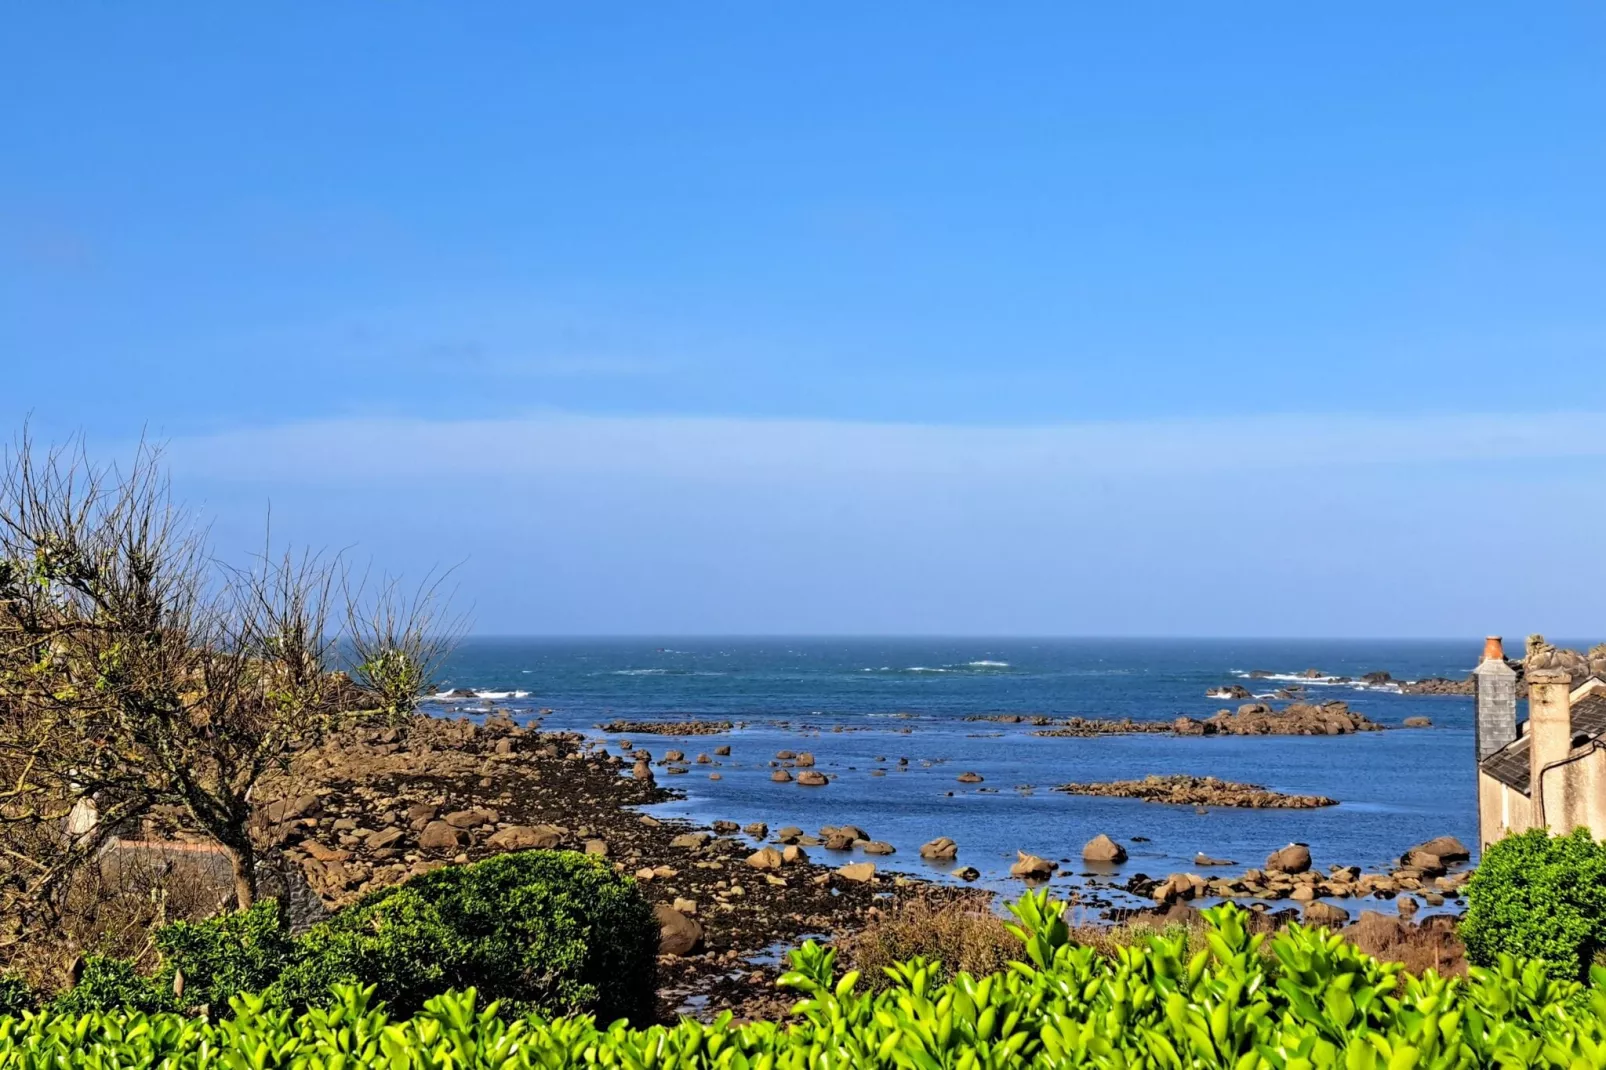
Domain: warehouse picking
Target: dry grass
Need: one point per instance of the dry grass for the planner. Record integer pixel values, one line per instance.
(961, 931)
(112, 911)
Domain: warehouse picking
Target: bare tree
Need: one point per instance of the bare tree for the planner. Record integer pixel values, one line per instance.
(398, 639)
(135, 670)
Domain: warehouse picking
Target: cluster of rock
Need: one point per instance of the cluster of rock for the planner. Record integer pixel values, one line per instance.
(1198, 791)
(1085, 726)
(1295, 719)
(1424, 871)
(667, 728)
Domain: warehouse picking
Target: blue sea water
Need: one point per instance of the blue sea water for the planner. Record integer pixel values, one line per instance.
(910, 698)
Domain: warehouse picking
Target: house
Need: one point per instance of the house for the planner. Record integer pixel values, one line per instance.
(1550, 770)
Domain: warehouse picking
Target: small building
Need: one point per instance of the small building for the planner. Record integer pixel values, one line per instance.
(1548, 771)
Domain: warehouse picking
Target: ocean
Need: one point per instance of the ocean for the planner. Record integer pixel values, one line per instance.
(852, 702)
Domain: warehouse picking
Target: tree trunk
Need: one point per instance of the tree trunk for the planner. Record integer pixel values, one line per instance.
(245, 874)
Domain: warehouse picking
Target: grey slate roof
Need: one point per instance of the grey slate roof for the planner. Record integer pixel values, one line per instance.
(1509, 764)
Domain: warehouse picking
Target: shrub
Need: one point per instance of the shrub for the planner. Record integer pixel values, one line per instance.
(553, 931)
(16, 997)
(111, 984)
(1540, 897)
(223, 956)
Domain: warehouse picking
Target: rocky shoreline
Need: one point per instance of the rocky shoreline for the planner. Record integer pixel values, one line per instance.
(374, 807)
(1250, 719)
(1182, 790)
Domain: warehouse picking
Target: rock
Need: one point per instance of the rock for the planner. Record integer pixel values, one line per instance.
(765, 858)
(691, 840)
(1325, 914)
(642, 771)
(1406, 906)
(941, 849)
(677, 934)
(1295, 858)
(811, 779)
(852, 832)
(1417, 722)
(792, 853)
(386, 837)
(789, 834)
(470, 819)
(781, 776)
(966, 873)
(758, 830)
(674, 756)
(723, 752)
(804, 760)
(1302, 893)
(597, 847)
(877, 847)
(1448, 850)
(439, 836)
(421, 814)
(1203, 859)
(1422, 864)
(1032, 867)
(1103, 849)
(521, 837)
(969, 778)
(837, 840)
(785, 755)
(858, 871)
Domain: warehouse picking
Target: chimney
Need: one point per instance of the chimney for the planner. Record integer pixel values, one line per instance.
(1497, 700)
(1550, 725)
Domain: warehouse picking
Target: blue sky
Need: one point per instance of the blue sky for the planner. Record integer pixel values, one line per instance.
(673, 318)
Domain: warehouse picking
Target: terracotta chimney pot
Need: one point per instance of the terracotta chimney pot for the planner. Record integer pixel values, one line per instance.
(1492, 650)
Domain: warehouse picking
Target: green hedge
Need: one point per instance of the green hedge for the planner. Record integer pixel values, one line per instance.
(550, 931)
(1313, 1002)
(1540, 897)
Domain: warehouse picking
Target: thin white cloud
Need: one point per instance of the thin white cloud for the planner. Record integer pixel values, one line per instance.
(718, 447)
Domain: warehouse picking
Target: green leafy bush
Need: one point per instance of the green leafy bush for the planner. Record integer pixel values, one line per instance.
(1315, 1002)
(224, 956)
(1541, 897)
(553, 931)
(15, 996)
(112, 984)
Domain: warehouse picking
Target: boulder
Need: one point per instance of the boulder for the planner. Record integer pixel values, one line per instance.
(852, 832)
(1202, 859)
(470, 819)
(1103, 849)
(1032, 867)
(597, 847)
(724, 751)
(792, 853)
(858, 871)
(1447, 849)
(1295, 858)
(969, 778)
(877, 847)
(677, 934)
(691, 841)
(765, 858)
(1417, 722)
(804, 760)
(941, 849)
(758, 830)
(781, 776)
(811, 779)
(439, 836)
(966, 873)
(522, 837)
